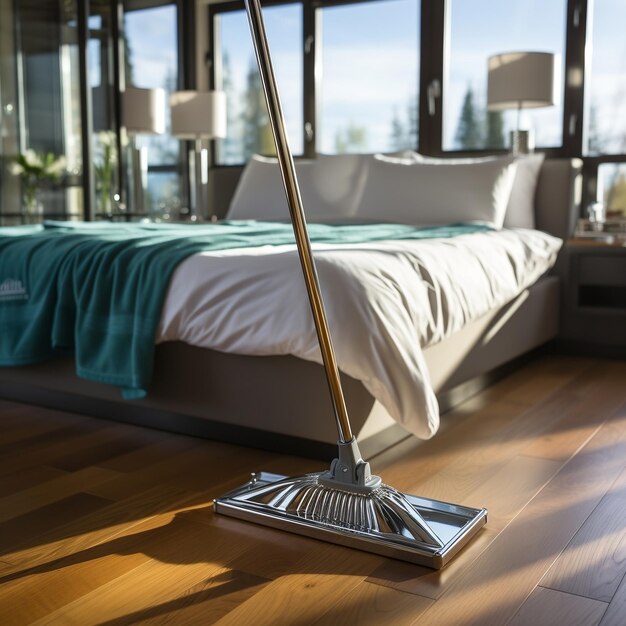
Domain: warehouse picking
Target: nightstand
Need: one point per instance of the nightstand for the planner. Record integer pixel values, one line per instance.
(593, 312)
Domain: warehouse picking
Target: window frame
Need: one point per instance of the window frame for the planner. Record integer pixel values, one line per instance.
(433, 54)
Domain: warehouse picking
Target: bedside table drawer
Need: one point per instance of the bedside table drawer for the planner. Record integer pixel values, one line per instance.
(602, 270)
(593, 312)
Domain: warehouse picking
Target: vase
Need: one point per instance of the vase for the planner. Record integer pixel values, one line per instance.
(32, 206)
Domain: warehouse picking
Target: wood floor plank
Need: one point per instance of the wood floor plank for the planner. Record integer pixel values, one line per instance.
(130, 535)
(163, 447)
(204, 603)
(52, 490)
(26, 434)
(77, 534)
(75, 583)
(594, 562)
(494, 586)
(204, 463)
(575, 427)
(595, 400)
(62, 442)
(20, 480)
(181, 555)
(614, 615)
(504, 495)
(458, 426)
(42, 592)
(316, 584)
(20, 531)
(373, 605)
(268, 553)
(512, 485)
(546, 607)
(499, 431)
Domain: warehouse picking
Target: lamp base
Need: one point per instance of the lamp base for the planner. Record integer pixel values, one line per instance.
(198, 181)
(522, 141)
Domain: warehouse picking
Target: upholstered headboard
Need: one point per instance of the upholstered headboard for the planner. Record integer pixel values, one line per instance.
(558, 196)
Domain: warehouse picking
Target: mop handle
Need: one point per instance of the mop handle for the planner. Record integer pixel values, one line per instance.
(290, 182)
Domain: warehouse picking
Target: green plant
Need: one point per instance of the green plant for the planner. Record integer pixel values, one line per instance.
(104, 168)
(34, 168)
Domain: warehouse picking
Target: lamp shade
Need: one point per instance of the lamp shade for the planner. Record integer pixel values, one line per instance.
(143, 111)
(198, 114)
(522, 80)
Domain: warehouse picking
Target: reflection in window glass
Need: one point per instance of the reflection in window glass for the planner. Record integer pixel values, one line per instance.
(606, 93)
(368, 99)
(152, 62)
(237, 74)
(163, 195)
(612, 188)
(477, 30)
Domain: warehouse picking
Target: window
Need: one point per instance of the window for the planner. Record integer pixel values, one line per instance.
(151, 61)
(605, 119)
(369, 77)
(40, 108)
(612, 189)
(477, 30)
(367, 96)
(237, 74)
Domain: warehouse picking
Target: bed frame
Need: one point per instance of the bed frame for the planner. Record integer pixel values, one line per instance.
(281, 403)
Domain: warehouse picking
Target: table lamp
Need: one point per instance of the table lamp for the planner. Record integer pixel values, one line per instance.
(143, 113)
(198, 115)
(522, 80)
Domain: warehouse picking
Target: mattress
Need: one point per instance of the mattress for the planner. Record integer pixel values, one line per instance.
(385, 302)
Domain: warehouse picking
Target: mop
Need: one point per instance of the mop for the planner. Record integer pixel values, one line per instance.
(345, 504)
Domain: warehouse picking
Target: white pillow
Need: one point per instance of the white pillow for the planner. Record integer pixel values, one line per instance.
(423, 193)
(331, 187)
(520, 211)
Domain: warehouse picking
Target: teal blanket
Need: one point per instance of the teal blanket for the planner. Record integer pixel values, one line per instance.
(96, 290)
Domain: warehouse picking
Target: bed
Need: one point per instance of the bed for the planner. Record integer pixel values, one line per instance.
(216, 373)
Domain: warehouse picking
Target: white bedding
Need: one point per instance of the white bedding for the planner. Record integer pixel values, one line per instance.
(384, 300)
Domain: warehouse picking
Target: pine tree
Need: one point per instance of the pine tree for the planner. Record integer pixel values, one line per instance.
(468, 133)
(594, 137)
(257, 135)
(404, 134)
(229, 148)
(413, 123)
(398, 133)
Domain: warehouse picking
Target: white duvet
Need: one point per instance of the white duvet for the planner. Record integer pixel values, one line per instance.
(384, 300)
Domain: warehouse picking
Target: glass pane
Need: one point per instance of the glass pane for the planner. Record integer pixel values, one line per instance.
(612, 189)
(368, 100)
(164, 195)
(237, 74)
(41, 113)
(100, 49)
(151, 61)
(606, 82)
(477, 30)
(10, 201)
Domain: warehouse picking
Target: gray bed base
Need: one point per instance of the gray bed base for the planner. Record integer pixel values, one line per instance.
(281, 403)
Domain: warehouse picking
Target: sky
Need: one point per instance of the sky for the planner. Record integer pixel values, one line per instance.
(369, 68)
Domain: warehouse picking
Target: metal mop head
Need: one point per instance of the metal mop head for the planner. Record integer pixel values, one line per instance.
(345, 505)
(376, 518)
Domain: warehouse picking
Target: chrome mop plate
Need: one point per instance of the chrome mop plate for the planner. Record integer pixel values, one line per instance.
(285, 503)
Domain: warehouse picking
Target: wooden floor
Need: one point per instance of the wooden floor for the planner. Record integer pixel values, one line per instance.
(102, 523)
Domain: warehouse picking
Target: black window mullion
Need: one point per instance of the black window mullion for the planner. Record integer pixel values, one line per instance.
(432, 40)
(310, 32)
(88, 181)
(573, 95)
